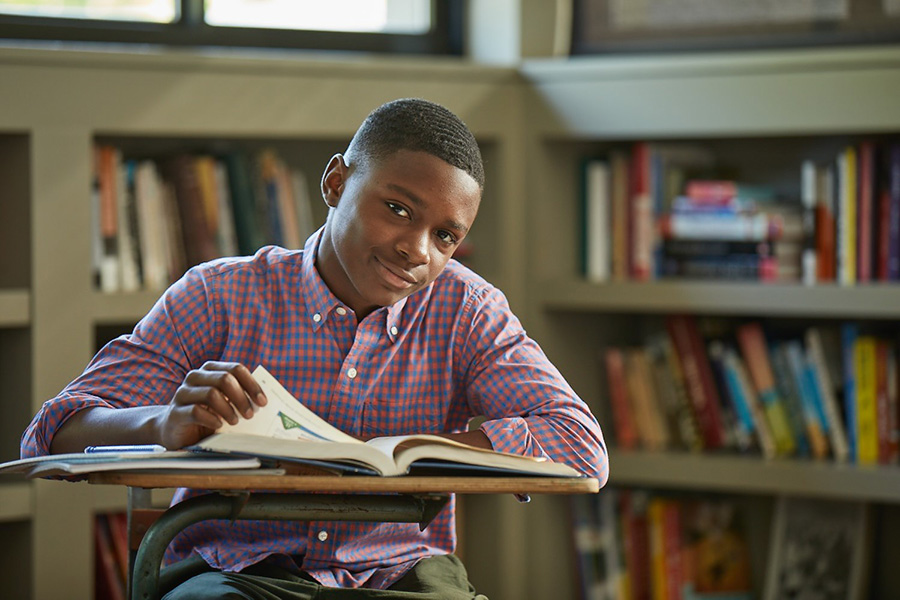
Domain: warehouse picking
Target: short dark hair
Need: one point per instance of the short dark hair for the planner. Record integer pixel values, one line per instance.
(418, 125)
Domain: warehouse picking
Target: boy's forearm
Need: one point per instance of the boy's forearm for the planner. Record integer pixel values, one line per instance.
(99, 426)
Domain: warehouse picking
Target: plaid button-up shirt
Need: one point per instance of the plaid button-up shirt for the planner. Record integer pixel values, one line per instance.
(426, 364)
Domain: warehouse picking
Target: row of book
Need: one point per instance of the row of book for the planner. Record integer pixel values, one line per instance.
(634, 544)
(111, 556)
(830, 393)
(852, 215)
(154, 219)
(658, 210)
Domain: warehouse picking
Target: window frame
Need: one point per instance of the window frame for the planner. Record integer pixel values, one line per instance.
(190, 30)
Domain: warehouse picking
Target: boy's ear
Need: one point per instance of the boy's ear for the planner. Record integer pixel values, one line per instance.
(334, 179)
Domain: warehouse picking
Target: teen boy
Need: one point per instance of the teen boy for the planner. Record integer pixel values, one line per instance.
(375, 328)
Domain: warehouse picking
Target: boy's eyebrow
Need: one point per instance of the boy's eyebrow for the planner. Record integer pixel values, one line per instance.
(420, 203)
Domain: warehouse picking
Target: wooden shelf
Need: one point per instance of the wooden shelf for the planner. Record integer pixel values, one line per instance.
(754, 475)
(122, 307)
(873, 301)
(15, 308)
(15, 502)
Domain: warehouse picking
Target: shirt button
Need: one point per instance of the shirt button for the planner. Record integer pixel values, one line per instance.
(323, 535)
(341, 311)
(317, 317)
(351, 373)
(393, 331)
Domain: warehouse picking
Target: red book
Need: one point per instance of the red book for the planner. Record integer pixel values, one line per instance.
(623, 420)
(698, 378)
(636, 537)
(825, 226)
(641, 214)
(865, 211)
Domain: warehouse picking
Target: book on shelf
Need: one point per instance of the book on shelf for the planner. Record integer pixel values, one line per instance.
(808, 197)
(635, 541)
(865, 357)
(695, 368)
(598, 545)
(849, 336)
(669, 385)
(745, 394)
(865, 210)
(715, 552)
(892, 193)
(846, 206)
(648, 413)
(819, 549)
(734, 387)
(622, 415)
(813, 412)
(285, 430)
(754, 348)
(789, 391)
(825, 389)
(619, 210)
(596, 192)
(825, 211)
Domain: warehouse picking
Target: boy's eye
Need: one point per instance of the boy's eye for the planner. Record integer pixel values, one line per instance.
(398, 209)
(446, 237)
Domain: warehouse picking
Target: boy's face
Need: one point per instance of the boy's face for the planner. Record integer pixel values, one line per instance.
(393, 226)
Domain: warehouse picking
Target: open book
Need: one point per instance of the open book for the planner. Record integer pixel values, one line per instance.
(285, 429)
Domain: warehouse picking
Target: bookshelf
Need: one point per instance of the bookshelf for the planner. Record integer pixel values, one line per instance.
(59, 103)
(762, 112)
(536, 123)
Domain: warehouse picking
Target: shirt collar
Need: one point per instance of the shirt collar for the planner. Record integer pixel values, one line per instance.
(321, 302)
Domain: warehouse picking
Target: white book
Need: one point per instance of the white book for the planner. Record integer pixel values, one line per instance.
(597, 217)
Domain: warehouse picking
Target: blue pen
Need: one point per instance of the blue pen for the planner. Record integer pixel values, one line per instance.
(128, 448)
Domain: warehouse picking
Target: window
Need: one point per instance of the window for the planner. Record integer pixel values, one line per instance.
(397, 26)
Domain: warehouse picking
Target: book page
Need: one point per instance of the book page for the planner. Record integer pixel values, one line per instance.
(285, 417)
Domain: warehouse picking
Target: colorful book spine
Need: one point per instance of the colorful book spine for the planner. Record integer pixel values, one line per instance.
(893, 186)
(792, 400)
(808, 197)
(698, 378)
(623, 419)
(755, 351)
(642, 214)
(865, 202)
(743, 426)
(866, 400)
(647, 412)
(824, 387)
(883, 417)
(849, 337)
(847, 216)
(825, 225)
(744, 389)
(620, 234)
(804, 380)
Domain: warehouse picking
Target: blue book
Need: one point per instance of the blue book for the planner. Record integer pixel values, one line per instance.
(849, 335)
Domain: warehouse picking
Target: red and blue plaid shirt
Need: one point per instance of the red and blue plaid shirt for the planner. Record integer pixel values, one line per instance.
(426, 364)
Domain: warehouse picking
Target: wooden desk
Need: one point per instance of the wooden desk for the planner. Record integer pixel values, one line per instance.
(253, 495)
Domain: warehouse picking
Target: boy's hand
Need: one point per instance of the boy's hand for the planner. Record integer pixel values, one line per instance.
(215, 393)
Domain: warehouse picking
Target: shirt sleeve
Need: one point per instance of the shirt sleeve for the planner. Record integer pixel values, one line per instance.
(530, 408)
(139, 369)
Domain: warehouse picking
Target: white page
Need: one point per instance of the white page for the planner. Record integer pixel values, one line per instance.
(285, 417)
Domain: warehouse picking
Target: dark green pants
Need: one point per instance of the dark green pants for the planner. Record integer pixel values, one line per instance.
(433, 578)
